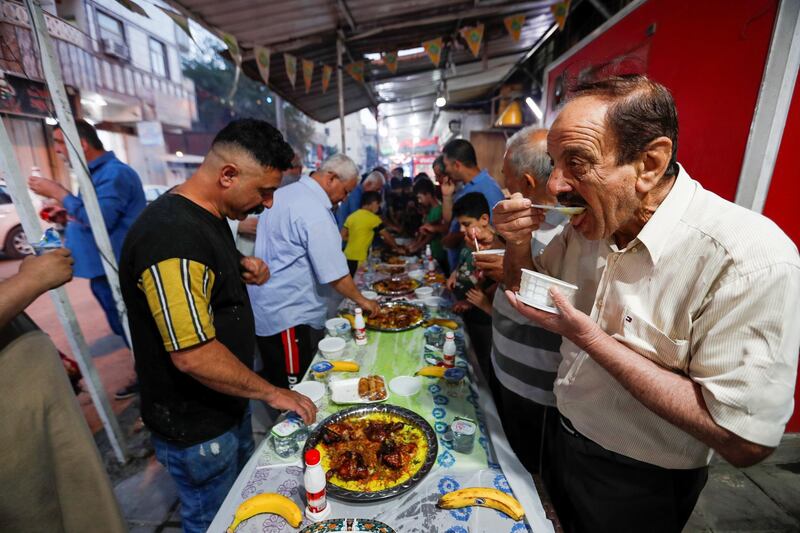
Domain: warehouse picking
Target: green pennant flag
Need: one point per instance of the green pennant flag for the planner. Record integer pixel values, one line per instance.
(180, 20)
(130, 5)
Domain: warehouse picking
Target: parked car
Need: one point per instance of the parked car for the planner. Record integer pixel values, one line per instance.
(12, 237)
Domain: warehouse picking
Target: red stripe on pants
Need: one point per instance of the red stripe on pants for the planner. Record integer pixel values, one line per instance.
(290, 351)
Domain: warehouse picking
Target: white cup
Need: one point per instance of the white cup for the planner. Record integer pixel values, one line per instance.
(336, 325)
(332, 347)
(423, 292)
(534, 290)
(493, 251)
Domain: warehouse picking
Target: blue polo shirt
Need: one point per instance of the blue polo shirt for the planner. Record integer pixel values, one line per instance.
(299, 240)
(121, 198)
(484, 184)
(350, 205)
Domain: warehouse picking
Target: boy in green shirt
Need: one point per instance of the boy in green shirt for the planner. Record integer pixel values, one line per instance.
(360, 228)
(425, 193)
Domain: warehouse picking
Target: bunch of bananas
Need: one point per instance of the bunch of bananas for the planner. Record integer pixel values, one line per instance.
(484, 497)
(267, 503)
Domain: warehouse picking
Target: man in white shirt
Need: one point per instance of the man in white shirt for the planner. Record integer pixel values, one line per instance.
(682, 339)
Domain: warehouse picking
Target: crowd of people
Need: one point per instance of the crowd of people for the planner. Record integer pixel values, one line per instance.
(679, 342)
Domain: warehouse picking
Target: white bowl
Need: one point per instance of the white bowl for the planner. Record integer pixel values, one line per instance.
(493, 251)
(405, 385)
(332, 347)
(534, 287)
(423, 292)
(417, 274)
(369, 295)
(433, 302)
(336, 326)
(313, 389)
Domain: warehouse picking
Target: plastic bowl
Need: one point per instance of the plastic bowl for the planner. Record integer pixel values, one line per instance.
(336, 326)
(313, 389)
(418, 274)
(332, 347)
(534, 290)
(405, 385)
(369, 295)
(423, 292)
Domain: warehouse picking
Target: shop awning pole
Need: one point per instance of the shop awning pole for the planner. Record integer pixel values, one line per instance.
(55, 86)
(340, 86)
(66, 314)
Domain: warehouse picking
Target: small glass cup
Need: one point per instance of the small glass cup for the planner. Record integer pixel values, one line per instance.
(463, 430)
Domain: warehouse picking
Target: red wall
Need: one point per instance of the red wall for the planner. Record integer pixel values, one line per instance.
(711, 55)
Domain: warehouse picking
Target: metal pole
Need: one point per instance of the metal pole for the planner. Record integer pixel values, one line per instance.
(55, 85)
(280, 116)
(378, 135)
(66, 314)
(340, 82)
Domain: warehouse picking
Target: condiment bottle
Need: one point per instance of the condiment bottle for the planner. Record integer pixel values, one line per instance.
(428, 253)
(361, 328)
(431, 265)
(449, 350)
(317, 507)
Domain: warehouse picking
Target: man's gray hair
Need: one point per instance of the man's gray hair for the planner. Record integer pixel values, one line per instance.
(374, 177)
(341, 165)
(527, 157)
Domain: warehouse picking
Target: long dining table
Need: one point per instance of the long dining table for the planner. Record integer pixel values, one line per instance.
(491, 463)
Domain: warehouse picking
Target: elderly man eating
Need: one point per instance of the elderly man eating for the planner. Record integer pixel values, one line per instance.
(682, 339)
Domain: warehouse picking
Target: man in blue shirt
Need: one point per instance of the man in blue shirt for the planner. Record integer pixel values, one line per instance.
(461, 166)
(299, 239)
(121, 198)
(351, 204)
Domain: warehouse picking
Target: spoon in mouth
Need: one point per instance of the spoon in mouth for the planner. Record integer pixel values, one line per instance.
(570, 211)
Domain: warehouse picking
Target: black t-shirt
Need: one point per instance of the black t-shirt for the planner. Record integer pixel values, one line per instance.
(180, 279)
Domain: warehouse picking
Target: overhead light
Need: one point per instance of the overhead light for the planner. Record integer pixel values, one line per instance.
(178, 153)
(441, 101)
(269, 99)
(410, 51)
(534, 108)
(50, 121)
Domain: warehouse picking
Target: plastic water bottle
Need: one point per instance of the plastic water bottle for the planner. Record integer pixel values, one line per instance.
(449, 350)
(317, 507)
(361, 328)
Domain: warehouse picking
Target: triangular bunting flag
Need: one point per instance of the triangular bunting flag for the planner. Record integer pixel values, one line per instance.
(560, 12)
(434, 49)
(326, 77)
(291, 68)
(356, 70)
(130, 5)
(390, 60)
(473, 36)
(514, 25)
(180, 20)
(236, 54)
(308, 73)
(262, 61)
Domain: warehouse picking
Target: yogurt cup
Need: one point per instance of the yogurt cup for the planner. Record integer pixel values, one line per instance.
(332, 347)
(534, 291)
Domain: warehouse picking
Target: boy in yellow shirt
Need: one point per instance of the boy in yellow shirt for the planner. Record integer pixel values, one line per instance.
(360, 228)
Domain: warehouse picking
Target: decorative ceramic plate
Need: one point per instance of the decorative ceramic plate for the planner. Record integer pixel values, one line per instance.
(409, 475)
(357, 525)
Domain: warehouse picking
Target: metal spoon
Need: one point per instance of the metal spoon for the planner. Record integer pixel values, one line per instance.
(569, 211)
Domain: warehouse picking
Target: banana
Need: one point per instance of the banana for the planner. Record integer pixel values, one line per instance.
(345, 366)
(485, 497)
(431, 371)
(267, 503)
(445, 323)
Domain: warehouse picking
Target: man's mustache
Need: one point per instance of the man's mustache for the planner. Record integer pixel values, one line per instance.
(571, 199)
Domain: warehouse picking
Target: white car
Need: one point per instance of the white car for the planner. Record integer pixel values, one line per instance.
(12, 238)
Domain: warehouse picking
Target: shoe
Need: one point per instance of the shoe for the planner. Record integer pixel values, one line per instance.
(129, 391)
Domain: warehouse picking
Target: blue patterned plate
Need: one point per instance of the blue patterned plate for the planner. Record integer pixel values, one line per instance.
(358, 525)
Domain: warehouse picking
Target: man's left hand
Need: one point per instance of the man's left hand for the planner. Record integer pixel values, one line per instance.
(254, 270)
(571, 323)
(491, 265)
(47, 188)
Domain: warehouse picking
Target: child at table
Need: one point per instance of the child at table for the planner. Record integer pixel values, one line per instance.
(360, 228)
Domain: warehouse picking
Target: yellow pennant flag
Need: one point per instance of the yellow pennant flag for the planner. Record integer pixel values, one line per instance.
(326, 77)
(390, 60)
(560, 11)
(262, 61)
(434, 49)
(514, 25)
(236, 54)
(356, 70)
(474, 37)
(291, 68)
(308, 73)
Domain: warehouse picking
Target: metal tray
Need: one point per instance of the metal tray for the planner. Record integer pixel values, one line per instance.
(416, 284)
(413, 325)
(409, 416)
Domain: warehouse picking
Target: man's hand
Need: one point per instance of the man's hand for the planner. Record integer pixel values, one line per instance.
(461, 306)
(450, 284)
(287, 400)
(370, 306)
(254, 270)
(49, 270)
(426, 229)
(571, 323)
(48, 188)
(479, 299)
(515, 219)
(491, 265)
(448, 187)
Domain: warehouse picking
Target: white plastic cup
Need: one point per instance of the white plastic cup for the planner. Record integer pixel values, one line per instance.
(332, 348)
(423, 292)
